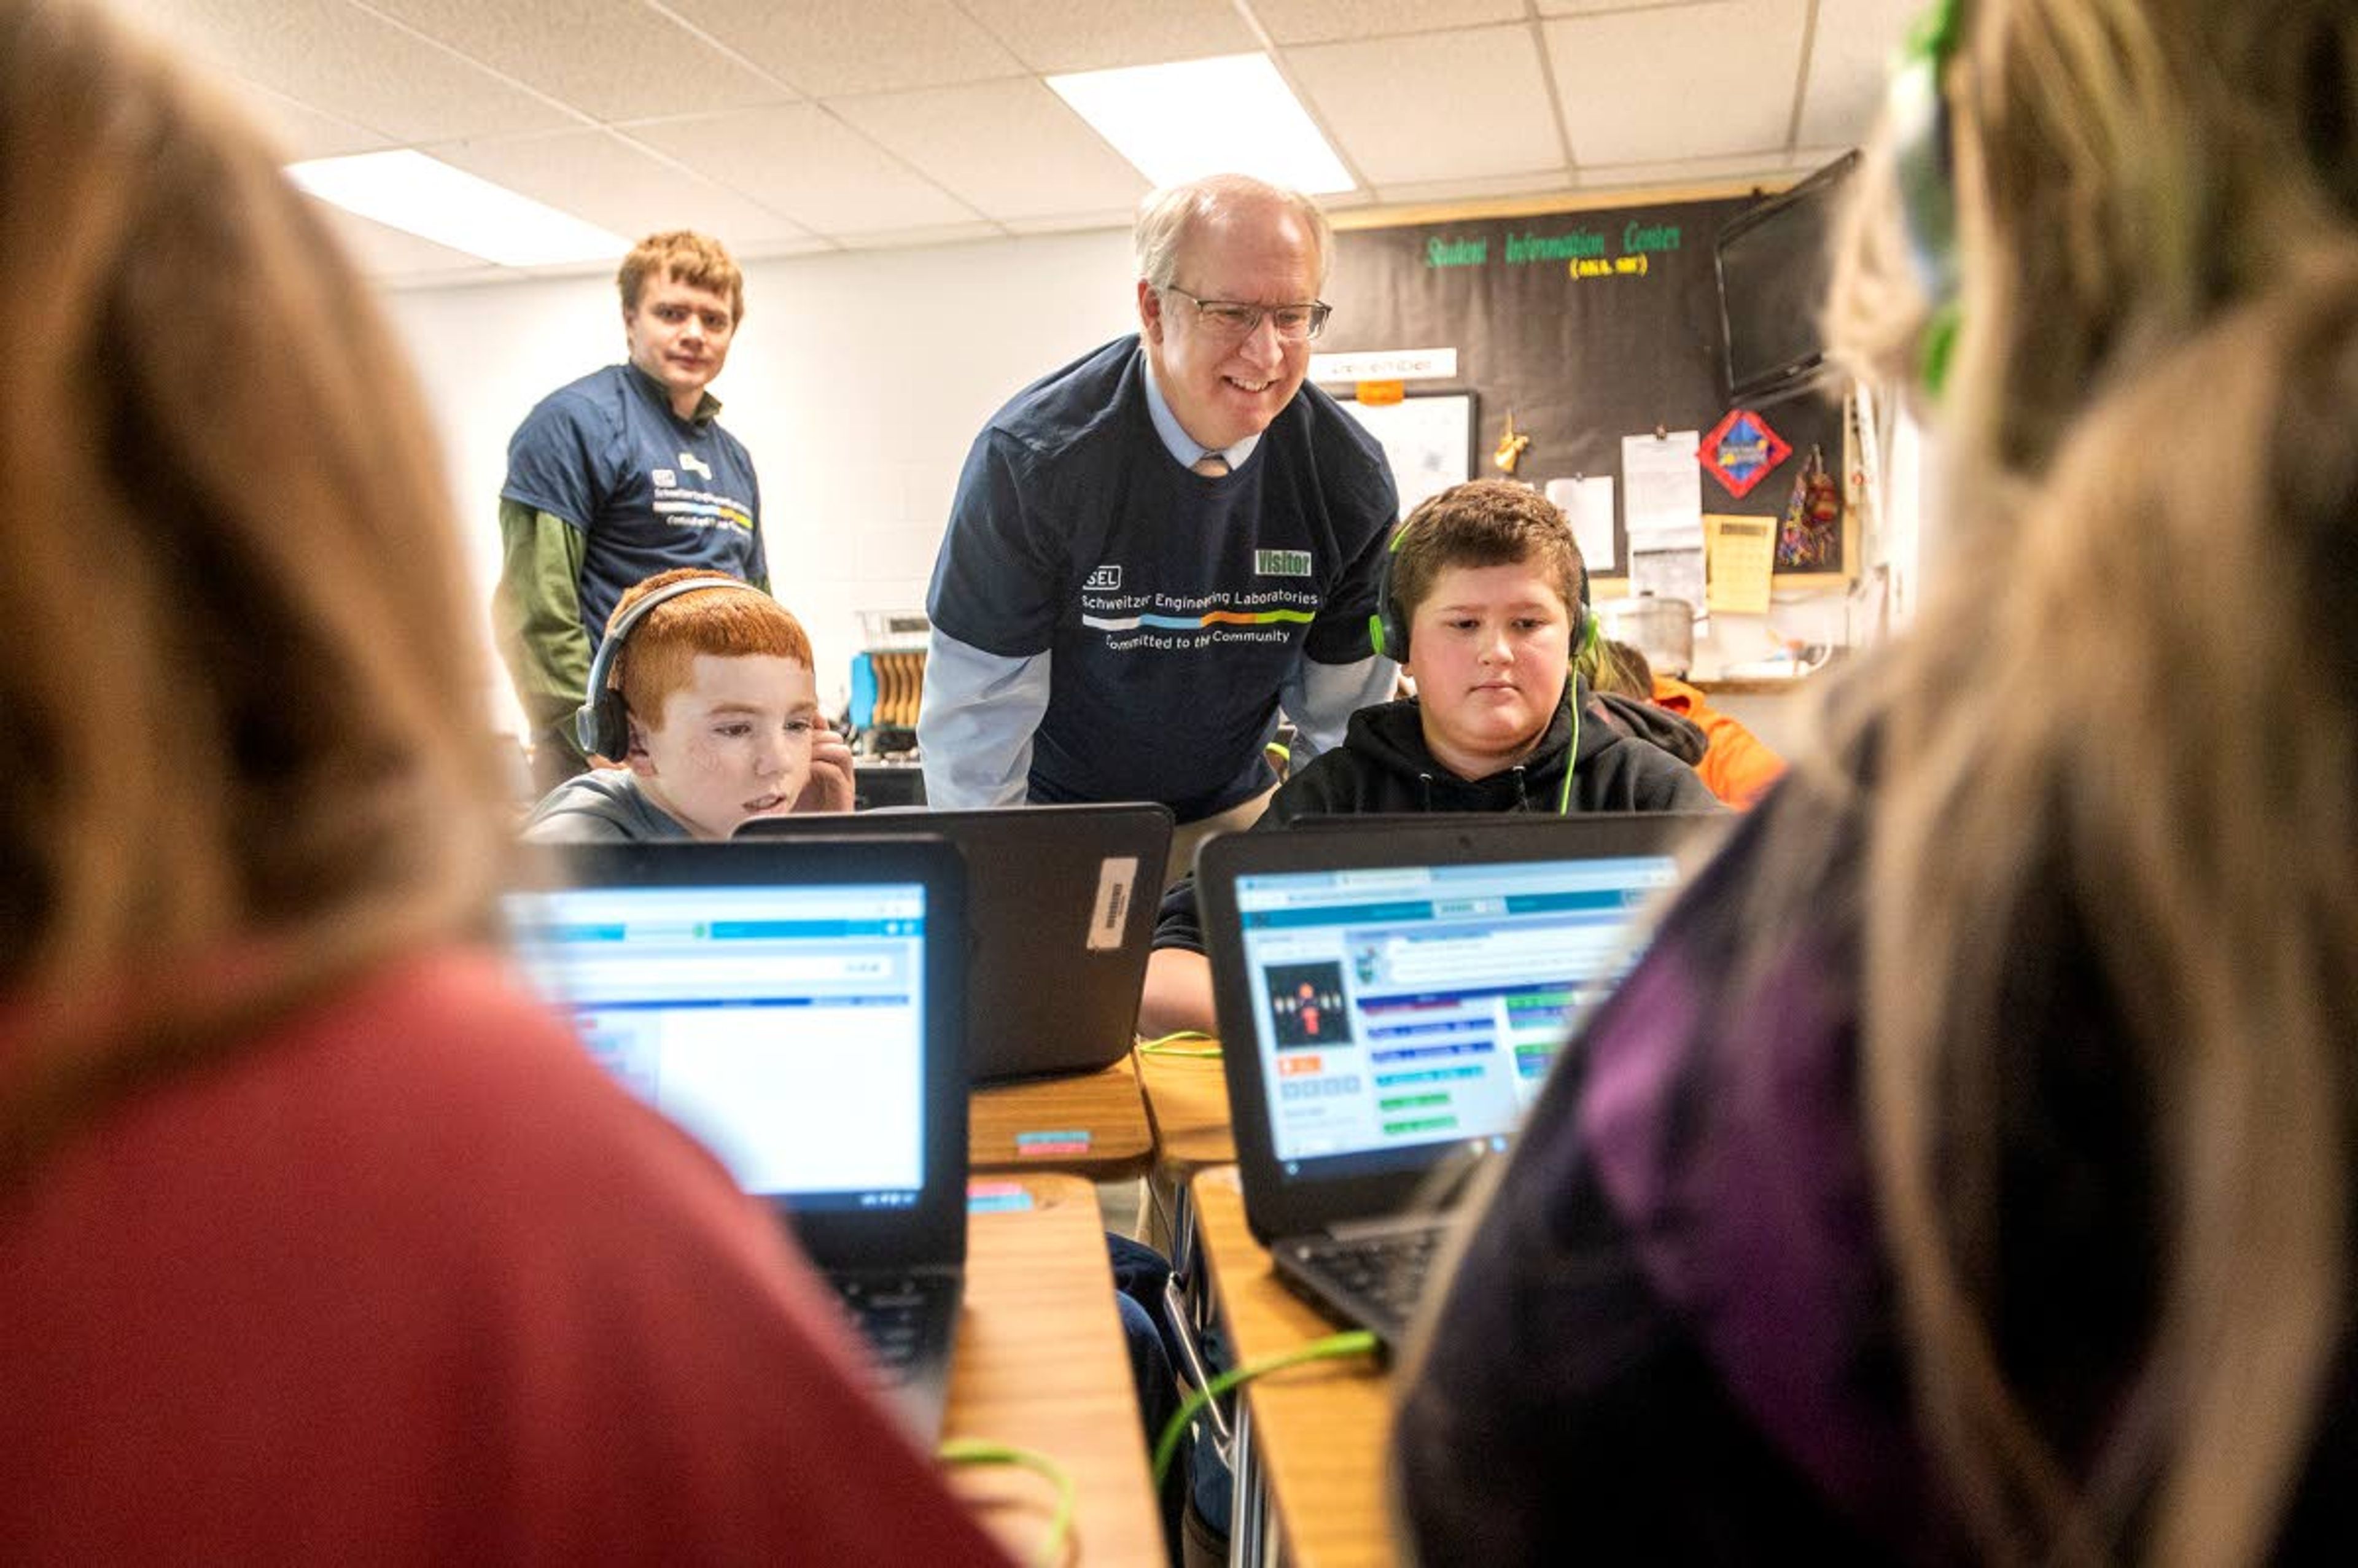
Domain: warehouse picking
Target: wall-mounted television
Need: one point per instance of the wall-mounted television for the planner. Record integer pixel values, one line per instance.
(1774, 265)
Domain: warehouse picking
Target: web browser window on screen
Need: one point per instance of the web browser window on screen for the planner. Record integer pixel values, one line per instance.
(1403, 1007)
(784, 1027)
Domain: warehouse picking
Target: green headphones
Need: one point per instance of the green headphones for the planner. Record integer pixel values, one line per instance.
(1388, 627)
(1924, 160)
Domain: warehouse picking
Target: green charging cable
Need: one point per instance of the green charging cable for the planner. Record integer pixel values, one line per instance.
(1355, 1342)
(974, 1451)
(1167, 1044)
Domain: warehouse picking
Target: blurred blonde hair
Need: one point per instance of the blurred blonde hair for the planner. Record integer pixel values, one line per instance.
(1615, 668)
(246, 755)
(2152, 466)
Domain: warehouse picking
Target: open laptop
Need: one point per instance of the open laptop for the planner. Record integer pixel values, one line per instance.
(1389, 1002)
(795, 1007)
(1061, 902)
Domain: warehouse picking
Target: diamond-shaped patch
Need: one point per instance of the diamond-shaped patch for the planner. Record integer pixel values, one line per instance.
(1741, 450)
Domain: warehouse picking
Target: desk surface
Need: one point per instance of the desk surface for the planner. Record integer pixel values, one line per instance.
(1091, 1124)
(1319, 1429)
(1187, 1101)
(1039, 1364)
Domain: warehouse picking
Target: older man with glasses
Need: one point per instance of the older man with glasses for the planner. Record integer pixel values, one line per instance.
(1156, 547)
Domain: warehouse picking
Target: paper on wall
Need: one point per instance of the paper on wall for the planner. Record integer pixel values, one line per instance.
(1428, 441)
(1743, 552)
(1663, 492)
(1589, 503)
(1669, 574)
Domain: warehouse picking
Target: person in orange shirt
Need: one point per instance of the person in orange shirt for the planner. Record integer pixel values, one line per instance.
(1736, 765)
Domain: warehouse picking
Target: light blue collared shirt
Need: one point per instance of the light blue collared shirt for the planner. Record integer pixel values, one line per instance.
(1183, 446)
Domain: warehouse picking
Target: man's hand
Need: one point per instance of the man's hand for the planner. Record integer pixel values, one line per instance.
(829, 786)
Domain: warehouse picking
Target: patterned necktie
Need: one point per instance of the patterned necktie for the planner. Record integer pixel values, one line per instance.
(1211, 465)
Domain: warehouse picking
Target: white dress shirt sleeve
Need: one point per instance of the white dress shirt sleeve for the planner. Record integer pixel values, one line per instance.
(975, 723)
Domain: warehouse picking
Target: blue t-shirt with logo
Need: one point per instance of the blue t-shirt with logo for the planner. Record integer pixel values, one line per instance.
(648, 489)
(1171, 605)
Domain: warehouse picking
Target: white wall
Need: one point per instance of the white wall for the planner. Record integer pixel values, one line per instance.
(858, 382)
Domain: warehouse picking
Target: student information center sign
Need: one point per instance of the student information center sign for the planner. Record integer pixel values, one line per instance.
(1585, 327)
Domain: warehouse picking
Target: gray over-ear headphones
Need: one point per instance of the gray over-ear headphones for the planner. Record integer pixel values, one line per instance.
(602, 724)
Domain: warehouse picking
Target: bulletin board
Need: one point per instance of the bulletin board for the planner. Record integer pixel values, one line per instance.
(1583, 327)
(1430, 441)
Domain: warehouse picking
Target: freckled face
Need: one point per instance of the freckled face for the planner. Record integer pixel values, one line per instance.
(733, 744)
(1491, 648)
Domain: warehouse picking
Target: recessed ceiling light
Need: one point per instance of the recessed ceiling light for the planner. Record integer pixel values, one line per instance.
(423, 196)
(1232, 113)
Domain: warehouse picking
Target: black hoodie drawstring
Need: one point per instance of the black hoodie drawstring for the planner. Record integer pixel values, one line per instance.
(1522, 799)
(1425, 791)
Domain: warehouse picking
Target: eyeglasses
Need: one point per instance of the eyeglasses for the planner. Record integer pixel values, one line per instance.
(1231, 319)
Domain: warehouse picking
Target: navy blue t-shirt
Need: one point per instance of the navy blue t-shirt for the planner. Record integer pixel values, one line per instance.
(648, 489)
(1171, 605)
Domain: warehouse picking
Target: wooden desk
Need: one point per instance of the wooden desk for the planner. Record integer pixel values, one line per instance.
(1016, 1127)
(1187, 1105)
(1311, 1447)
(1187, 1102)
(1041, 1364)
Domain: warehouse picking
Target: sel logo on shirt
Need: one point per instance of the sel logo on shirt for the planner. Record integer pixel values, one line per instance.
(695, 465)
(1105, 579)
(663, 477)
(1281, 563)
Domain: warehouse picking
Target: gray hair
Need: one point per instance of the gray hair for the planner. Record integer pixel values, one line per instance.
(1167, 216)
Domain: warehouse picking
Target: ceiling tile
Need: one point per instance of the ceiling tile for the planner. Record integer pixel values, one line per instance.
(1440, 190)
(805, 163)
(388, 253)
(1776, 168)
(768, 250)
(1073, 222)
(930, 234)
(300, 131)
(1850, 59)
(1592, 7)
(1631, 82)
(828, 47)
(935, 126)
(1324, 21)
(1094, 35)
(612, 60)
(1441, 106)
(600, 177)
(1011, 149)
(344, 62)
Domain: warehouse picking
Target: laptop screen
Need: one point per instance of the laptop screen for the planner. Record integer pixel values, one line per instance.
(1401, 1008)
(784, 1026)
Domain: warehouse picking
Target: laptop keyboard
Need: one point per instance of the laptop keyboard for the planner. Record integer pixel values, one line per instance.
(893, 1314)
(1388, 1270)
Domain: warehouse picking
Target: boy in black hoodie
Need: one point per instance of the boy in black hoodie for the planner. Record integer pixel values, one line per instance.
(1486, 603)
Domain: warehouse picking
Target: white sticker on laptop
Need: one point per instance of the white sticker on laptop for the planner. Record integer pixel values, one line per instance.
(1117, 885)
